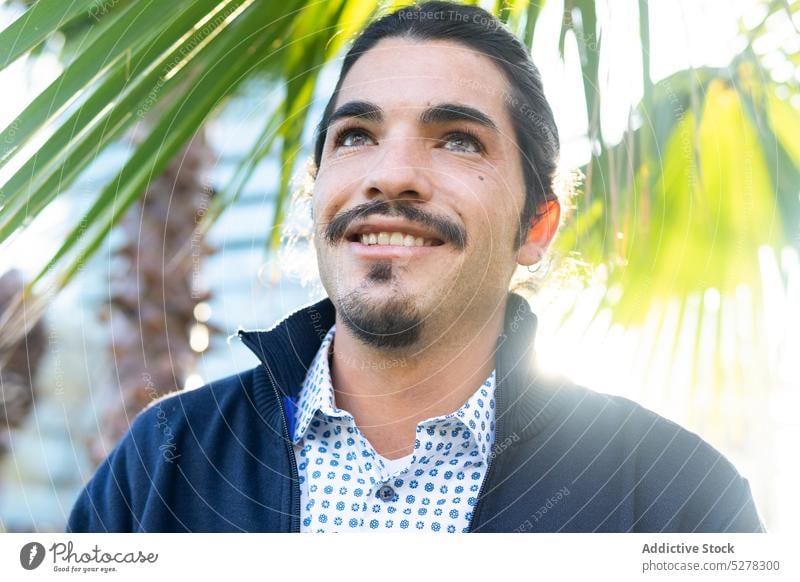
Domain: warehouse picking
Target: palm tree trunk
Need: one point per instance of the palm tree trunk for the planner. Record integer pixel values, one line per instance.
(18, 365)
(154, 290)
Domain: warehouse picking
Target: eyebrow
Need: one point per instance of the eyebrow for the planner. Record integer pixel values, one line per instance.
(441, 113)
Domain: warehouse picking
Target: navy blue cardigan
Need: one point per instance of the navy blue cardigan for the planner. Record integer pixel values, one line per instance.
(566, 459)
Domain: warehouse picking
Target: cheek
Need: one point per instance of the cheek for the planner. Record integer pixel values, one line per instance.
(336, 183)
(497, 202)
(323, 203)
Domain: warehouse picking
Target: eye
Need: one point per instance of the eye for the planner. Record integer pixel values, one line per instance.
(352, 137)
(463, 141)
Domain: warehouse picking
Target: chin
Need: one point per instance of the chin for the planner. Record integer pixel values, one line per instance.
(382, 318)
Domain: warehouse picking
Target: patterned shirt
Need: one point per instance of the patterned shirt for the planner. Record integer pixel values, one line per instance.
(346, 485)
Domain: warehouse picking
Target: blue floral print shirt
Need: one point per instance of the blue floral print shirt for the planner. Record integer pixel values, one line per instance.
(346, 485)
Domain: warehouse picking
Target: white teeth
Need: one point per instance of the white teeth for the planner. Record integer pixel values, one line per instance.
(394, 238)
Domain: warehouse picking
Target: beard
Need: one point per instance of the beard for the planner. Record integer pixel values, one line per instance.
(381, 323)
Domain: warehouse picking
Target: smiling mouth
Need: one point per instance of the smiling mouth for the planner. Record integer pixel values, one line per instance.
(393, 239)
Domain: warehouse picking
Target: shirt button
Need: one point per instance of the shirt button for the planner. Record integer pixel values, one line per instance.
(386, 493)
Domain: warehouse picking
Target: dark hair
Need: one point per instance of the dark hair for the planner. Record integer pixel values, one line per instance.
(535, 129)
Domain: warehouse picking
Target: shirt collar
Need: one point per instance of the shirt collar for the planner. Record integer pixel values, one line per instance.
(477, 416)
(317, 391)
(317, 395)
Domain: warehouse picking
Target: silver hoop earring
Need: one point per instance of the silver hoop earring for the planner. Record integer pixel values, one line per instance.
(538, 264)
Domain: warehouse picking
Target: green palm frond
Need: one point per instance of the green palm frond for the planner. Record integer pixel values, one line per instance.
(169, 64)
(705, 175)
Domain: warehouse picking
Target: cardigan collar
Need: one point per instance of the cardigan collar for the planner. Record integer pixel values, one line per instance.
(524, 402)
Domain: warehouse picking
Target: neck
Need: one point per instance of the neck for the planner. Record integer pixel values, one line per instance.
(389, 393)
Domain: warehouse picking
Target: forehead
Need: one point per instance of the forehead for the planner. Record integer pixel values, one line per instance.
(410, 74)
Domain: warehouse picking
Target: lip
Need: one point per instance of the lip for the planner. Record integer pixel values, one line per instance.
(388, 251)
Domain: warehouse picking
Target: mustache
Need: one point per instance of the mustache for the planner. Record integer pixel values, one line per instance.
(445, 229)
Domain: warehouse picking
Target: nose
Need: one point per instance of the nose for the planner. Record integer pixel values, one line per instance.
(401, 169)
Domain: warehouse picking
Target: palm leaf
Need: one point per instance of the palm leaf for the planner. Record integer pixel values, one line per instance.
(36, 24)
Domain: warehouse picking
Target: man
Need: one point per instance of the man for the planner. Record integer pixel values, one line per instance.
(408, 399)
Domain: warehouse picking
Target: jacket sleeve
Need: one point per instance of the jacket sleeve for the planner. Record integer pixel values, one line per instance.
(684, 484)
(103, 505)
(738, 513)
(107, 502)
(719, 499)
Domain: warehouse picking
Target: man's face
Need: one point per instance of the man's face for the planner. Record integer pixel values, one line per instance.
(421, 149)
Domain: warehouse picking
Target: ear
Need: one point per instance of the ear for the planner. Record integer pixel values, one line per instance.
(541, 231)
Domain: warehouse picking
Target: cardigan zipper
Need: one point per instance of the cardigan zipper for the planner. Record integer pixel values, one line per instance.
(293, 473)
